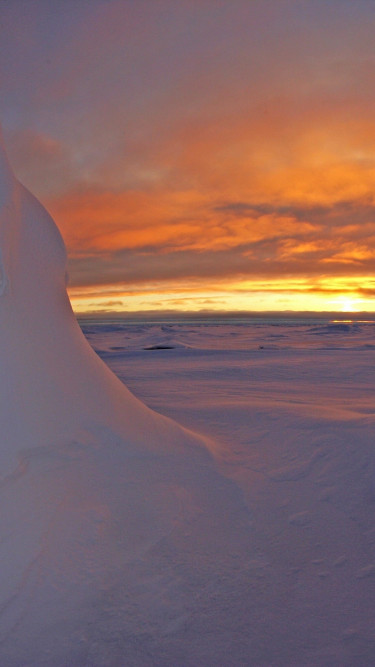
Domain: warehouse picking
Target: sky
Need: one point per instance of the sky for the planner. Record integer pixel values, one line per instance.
(199, 155)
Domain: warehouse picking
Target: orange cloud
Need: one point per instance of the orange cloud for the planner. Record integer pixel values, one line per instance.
(252, 173)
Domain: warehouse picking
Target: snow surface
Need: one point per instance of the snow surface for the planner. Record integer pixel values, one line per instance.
(128, 540)
(292, 406)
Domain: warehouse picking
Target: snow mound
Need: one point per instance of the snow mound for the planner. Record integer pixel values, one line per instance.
(115, 524)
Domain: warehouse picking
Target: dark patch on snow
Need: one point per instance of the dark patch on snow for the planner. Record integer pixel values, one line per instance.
(340, 327)
(159, 347)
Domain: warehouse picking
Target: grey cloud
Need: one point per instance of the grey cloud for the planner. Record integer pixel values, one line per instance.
(131, 267)
(343, 212)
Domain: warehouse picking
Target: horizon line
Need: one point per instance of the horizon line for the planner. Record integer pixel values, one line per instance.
(226, 314)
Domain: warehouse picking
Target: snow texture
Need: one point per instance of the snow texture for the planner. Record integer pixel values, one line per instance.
(100, 495)
(292, 406)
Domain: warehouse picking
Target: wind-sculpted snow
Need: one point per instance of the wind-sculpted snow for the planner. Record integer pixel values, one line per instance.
(114, 523)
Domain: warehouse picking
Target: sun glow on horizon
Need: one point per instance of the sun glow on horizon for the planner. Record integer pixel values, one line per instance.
(231, 296)
(348, 305)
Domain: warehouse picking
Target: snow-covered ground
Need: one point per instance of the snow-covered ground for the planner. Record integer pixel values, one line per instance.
(291, 408)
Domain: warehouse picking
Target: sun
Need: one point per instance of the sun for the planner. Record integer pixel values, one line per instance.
(348, 305)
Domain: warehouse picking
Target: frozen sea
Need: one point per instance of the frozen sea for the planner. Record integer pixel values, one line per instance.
(290, 404)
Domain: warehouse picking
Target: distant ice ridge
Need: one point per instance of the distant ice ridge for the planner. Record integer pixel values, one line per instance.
(114, 521)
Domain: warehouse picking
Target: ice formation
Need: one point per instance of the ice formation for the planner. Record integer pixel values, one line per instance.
(55, 384)
(112, 516)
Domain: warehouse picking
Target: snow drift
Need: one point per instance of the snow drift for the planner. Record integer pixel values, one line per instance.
(114, 522)
(55, 384)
